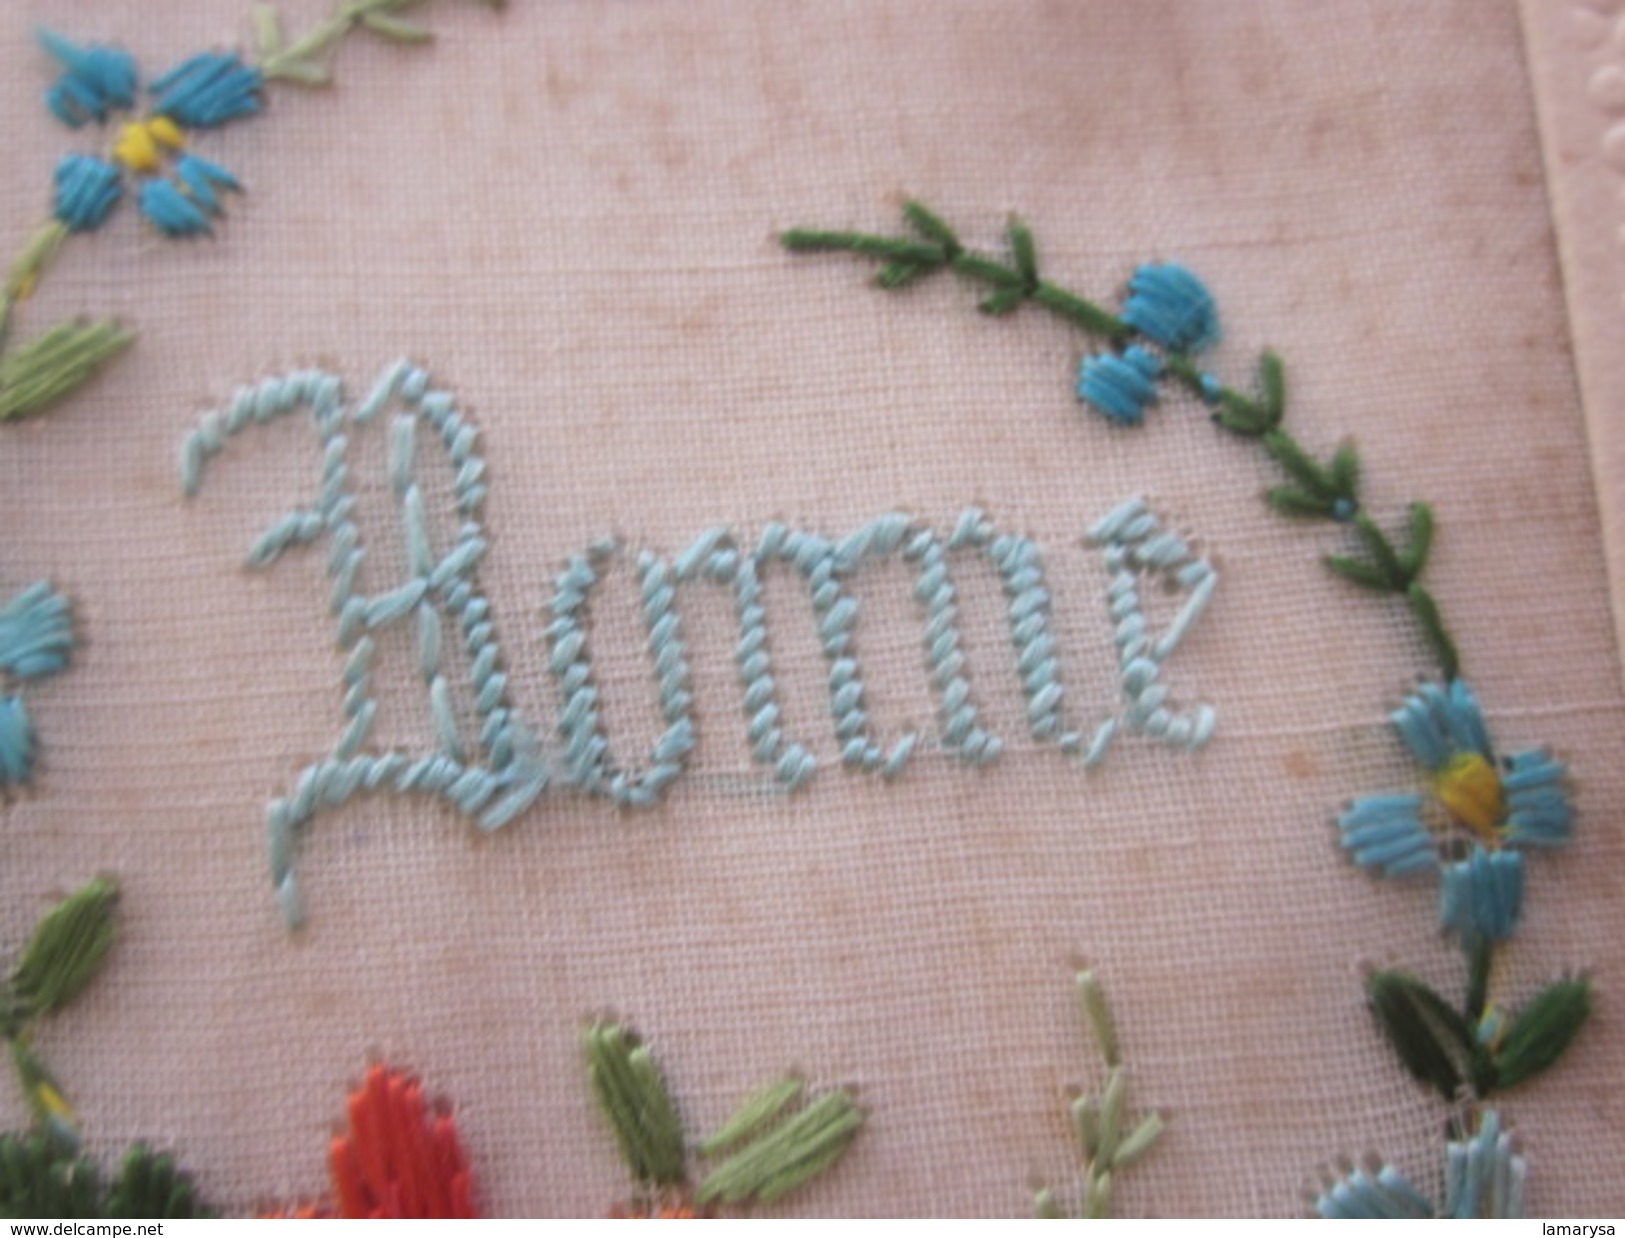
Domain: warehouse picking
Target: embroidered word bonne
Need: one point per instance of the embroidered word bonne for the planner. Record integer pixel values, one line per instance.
(508, 768)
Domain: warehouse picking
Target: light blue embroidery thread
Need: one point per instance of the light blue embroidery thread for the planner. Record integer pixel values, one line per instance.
(503, 773)
(1133, 544)
(36, 639)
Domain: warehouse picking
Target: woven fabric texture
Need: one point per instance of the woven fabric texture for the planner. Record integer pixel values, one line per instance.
(567, 212)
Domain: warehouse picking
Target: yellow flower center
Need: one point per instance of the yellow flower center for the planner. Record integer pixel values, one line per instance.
(52, 1102)
(141, 143)
(1470, 790)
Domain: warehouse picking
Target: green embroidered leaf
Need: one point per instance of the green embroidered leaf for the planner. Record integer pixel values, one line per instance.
(1299, 465)
(48, 368)
(1272, 387)
(1143, 1138)
(67, 949)
(1540, 1032)
(1361, 573)
(634, 1098)
(267, 29)
(1086, 1125)
(1024, 251)
(1427, 614)
(896, 274)
(38, 1179)
(1290, 501)
(1382, 552)
(1420, 544)
(150, 1185)
(1431, 1038)
(789, 1155)
(931, 227)
(1345, 473)
(1098, 1015)
(1045, 1207)
(1002, 302)
(394, 28)
(1241, 416)
(753, 1115)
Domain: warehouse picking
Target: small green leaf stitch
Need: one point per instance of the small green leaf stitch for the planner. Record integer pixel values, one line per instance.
(1538, 1034)
(1430, 1037)
(773, 1142)
(1098, 1120)
(66, 951)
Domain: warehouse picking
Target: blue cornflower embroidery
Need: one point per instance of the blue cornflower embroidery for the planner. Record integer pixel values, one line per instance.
(36, 637)
(1485, 1177)
(1171, 306)
(1121, 386)
(1491, 810)
(177, 191)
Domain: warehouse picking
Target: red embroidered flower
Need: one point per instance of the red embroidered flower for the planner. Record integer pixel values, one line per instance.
(398, 1160)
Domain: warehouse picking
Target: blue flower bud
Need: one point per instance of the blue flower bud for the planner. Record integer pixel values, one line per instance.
(1120, 386)
(87, 189)
(1169, 305)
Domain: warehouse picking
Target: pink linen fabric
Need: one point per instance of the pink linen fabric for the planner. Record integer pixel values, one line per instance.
(567, 211)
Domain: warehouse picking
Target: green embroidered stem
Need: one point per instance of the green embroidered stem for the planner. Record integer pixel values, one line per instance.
(301, 61)
(907, 259)
(1098, 1119)
(1326, 491)
(1480, 964)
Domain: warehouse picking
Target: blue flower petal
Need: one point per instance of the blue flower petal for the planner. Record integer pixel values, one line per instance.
(1482, 896)
(95, 80)
(170, 210)
(1385, 832)
(1528, 770)
(87, 188)
(200, 178)
(1358, 1196)
(16, 743)
(1422, 734)
(1484, 1175)
(36, 633)
(1120, 386)
(1466, 721)
(208, 90)
(1171, 306)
